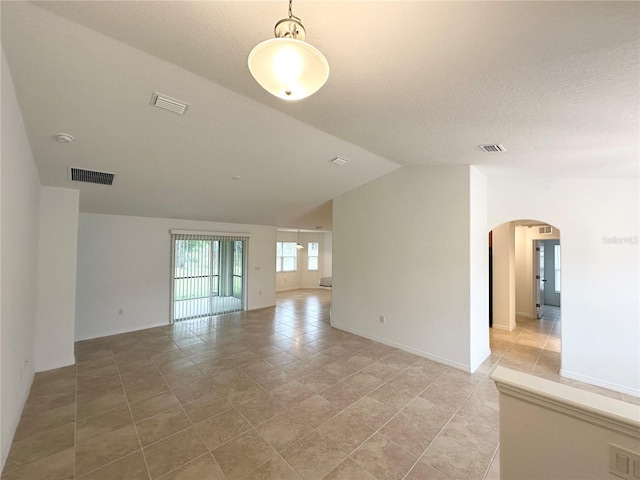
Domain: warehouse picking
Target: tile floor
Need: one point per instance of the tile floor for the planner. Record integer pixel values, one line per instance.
(270, 394)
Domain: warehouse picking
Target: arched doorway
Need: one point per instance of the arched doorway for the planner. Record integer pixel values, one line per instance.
(526, 294)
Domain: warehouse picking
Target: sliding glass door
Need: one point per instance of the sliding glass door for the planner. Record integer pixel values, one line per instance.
(208, 275)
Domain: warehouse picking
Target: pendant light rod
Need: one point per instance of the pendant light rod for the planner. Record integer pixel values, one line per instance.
(291, 15)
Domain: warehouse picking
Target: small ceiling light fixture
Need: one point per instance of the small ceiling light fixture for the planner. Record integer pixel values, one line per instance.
(64, 138)
(299, 245)
(287, 66)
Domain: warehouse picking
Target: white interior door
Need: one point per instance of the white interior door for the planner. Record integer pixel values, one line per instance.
(539, 280)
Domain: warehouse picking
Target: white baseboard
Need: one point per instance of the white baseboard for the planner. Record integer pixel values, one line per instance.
(53, 365)
(524, 314)
(406, 348)
(502, 327)
(600, 383)
(118, 331)
(480, 361)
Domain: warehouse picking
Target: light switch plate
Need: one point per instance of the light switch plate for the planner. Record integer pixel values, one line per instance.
(624, 463)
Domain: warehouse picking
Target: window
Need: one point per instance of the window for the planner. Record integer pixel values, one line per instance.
(312, 257)
(286, 256)
(556, 267)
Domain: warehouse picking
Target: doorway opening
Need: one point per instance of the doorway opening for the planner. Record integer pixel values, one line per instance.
(525, 296)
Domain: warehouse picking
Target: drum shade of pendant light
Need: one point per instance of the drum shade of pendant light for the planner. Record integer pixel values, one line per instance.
(287, 66)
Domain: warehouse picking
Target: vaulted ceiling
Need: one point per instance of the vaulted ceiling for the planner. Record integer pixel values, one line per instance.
(411, 83)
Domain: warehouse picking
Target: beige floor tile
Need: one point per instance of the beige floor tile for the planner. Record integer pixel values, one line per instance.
(153, 405)
(345, 432)
(261, 408)
(99, 450)
(396, 399)
(315, 410)
(494, 468)
(454, 460)
(384, 458)
(243, 454)
(283, 430)
(173, 452)
(414, 438)
(422, 471)
(207, 406)
(274, 469)
(342, 395)
(218, 430)
(319, 380)
(371, 412)
(202, 468)
(58, 466)
(40, 445)
(291, 393)
(131, 467)
(89, 406)
(313, 456)
(162, 425)
(106, 422)
(47, 400)
(349, 470)
(145, 388)
(39, 421)
(426, 414)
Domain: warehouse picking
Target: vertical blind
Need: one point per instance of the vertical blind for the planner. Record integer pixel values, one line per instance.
(208, 274)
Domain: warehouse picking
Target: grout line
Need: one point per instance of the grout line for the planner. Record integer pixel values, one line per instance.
(133, 422)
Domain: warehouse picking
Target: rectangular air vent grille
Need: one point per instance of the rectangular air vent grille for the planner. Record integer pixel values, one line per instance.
(339, 161)
(90, 176)
(172, 104)
(545, 230)
(496, 147)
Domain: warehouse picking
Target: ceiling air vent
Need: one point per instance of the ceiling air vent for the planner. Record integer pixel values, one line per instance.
(163, 101)
(90, 176)
(496, 147)
(339, 161)
(545, 230)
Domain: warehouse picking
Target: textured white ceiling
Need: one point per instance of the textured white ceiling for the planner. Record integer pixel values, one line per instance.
(411, 83)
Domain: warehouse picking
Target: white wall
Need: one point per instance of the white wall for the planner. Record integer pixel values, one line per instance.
(402, 248)
(478, 269)
(19, 212)
(504, 277)
(125, 262)
(327, 258)
(600, 280)
(57, 256)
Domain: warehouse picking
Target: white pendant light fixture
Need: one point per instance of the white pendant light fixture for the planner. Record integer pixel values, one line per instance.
(299, 245)
(287, 66)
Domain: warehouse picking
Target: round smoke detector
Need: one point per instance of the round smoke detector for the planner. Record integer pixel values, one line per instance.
(64, 138)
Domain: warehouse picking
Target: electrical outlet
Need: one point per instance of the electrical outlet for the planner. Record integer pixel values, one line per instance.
(382, 319)
(624, 463)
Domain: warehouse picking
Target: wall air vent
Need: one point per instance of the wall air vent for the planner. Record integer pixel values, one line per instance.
(545, 230)
(496, 147)
(90, 176)
(163, 101)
